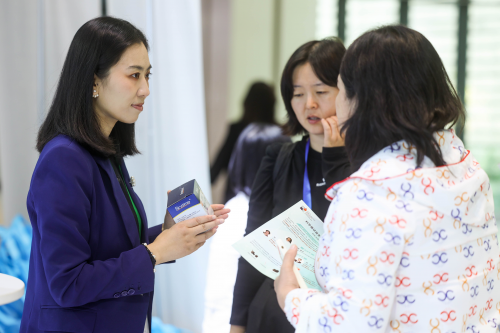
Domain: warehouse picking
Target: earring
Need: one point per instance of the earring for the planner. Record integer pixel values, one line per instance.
(96, 95)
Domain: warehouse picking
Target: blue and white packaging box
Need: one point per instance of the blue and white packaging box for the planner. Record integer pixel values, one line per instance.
(188, 201)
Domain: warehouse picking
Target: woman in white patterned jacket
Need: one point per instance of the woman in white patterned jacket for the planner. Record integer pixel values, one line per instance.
(410, 238)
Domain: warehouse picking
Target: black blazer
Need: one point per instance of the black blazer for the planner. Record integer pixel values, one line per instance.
(254, 302)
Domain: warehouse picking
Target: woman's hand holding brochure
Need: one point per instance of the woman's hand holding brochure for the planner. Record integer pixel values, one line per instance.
(299, 226)
(283, 250)
(289, 278)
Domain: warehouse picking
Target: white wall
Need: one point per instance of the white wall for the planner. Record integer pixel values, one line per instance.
(298, 26)
(252, 49)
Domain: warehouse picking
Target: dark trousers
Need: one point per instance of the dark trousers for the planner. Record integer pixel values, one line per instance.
(265, 314)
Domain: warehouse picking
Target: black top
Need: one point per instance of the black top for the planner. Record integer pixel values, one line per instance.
(317, 183)
(254, 302)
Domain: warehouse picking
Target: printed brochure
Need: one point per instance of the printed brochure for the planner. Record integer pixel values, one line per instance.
(297, 225)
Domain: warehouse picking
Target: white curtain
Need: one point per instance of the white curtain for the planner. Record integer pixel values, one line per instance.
(171, 134)
(35, 36)
(171, 131)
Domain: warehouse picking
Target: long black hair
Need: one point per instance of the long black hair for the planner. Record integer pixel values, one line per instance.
(258, 106)
(96, 47)
(400, 90)
(325, 57)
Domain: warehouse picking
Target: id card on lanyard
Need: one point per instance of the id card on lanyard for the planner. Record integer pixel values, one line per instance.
(306, 189)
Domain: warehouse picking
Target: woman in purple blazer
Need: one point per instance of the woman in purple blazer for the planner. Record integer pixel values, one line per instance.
(93, 256)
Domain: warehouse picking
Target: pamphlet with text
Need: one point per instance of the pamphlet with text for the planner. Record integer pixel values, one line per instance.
(297, 225)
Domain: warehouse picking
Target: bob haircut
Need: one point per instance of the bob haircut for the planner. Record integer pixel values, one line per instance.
(399, 90)
(325, 57)
(96, 47)
(259, 104)
(248, 152)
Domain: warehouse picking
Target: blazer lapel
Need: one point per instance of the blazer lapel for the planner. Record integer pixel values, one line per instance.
(137, 201)
(125, 211)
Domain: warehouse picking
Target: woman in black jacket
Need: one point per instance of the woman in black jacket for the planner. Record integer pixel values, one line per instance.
(309, 90)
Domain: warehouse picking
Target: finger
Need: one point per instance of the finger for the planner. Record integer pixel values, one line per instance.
(333, 123)
(327, 131)
(217, 207)
(191, 223)
(288, 259)
(199, 245)
(206, 226)
(168, 192)
(223, 217)
(220, 212)
(334, 128)
(201, 238)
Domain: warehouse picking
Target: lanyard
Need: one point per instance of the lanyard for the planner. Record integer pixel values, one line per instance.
(139, 220)
(306, 189)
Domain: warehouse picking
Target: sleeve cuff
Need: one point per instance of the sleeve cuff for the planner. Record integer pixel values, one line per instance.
(293, 302)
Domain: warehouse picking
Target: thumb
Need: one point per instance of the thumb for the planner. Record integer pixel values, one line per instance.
(289, 257)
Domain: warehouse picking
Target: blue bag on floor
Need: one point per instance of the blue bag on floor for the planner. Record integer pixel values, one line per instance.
(157, 326)
(15, 247)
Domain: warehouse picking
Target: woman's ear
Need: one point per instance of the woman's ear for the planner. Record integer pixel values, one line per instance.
(97, 81)
(95, 87)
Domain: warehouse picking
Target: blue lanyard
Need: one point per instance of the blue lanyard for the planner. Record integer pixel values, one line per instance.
(306, 189)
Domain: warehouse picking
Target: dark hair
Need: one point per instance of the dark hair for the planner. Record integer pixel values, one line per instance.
(325, 57)
(259, 104)
(400, 91)
(96, 47)
(248, 152)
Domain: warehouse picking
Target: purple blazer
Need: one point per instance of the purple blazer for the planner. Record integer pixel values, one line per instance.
(88, 270)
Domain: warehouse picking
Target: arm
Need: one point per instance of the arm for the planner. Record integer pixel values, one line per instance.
(153, 232)
(224, 155)
(62, 194)
(237, 329)
(248, 279)
(363, 299)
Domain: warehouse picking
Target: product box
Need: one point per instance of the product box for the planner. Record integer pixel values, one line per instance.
(185, 202)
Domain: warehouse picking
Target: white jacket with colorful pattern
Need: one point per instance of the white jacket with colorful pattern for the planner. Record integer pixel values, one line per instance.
(405, 249)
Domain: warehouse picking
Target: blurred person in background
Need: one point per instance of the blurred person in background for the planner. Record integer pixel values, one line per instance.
(223, 258)
(410, 239)
(293, 172)
(258, 107)
(93, 256)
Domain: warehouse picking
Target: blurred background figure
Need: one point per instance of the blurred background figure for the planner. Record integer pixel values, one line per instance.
(223, 259)
(258, 107)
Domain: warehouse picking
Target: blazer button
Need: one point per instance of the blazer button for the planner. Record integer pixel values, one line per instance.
(124, 293)
(116, 295)
(131, 291)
